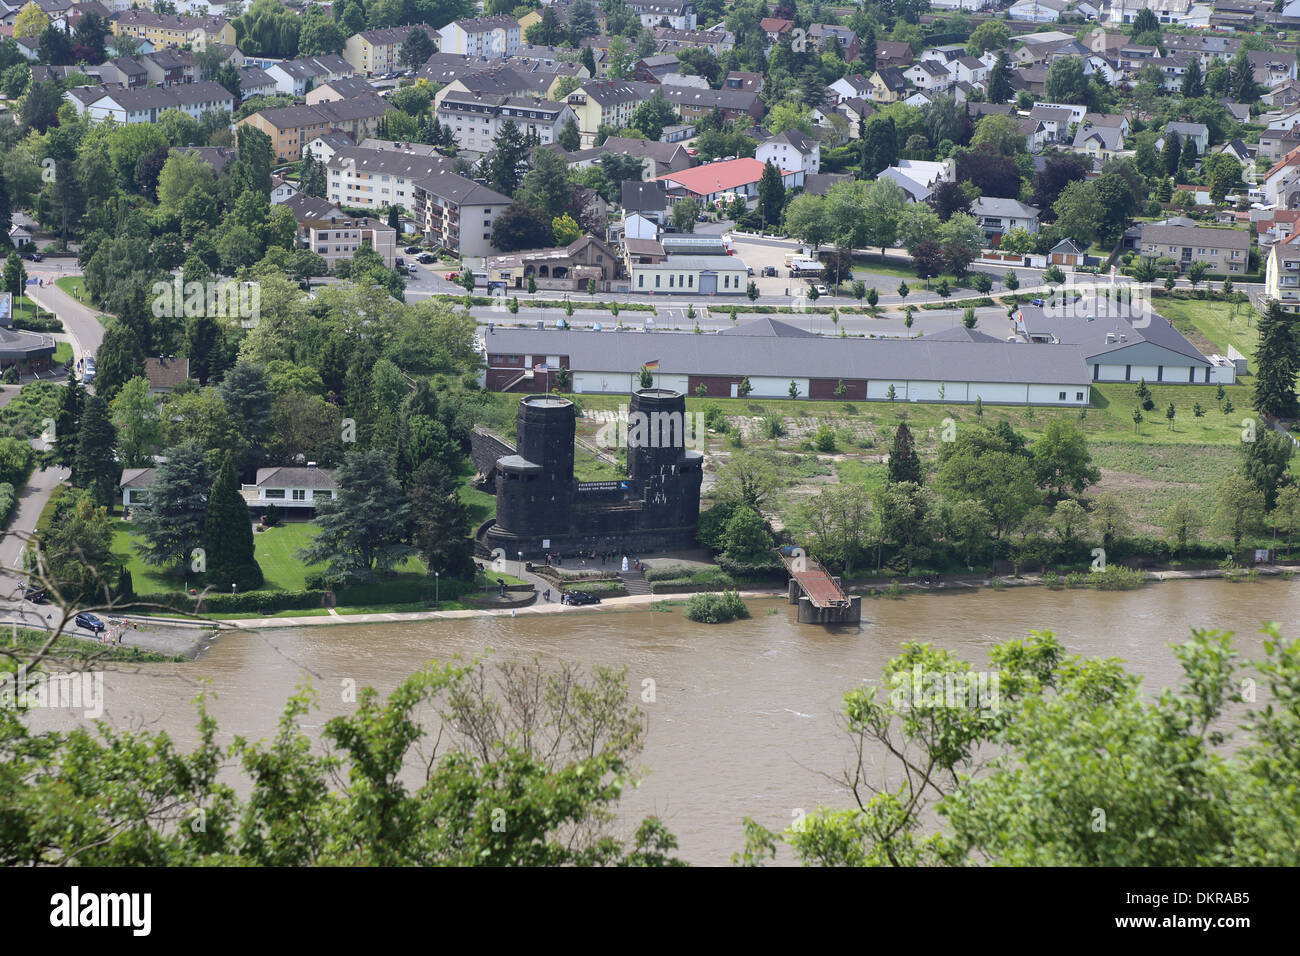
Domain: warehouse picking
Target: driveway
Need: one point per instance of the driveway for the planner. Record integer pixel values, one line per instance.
(82, 323)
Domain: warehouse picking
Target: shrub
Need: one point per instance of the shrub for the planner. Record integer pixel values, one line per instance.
(825, 440)
(7, 501)
(715, 608)
(773, 426)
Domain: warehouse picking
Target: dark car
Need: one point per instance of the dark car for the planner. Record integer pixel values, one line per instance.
(35, 595)
(426, 258)
(581, 597)
(89, 622)
(37, 257)
(769, 270)
(412, 250)
(1038, 303)
(399, 262)
(751, 270)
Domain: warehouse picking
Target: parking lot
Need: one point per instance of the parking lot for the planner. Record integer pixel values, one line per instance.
(759, 255)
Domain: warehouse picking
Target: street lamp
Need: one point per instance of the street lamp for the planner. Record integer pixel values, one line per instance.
(435, 589)
(521, 565)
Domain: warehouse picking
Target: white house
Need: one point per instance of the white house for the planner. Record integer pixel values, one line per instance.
(791, 150)
(293, 488)
(929, 75)
(919, 177)
(1038, 11)
(997, 217)
(495, 37)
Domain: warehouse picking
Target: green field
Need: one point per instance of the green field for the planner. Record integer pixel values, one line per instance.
(62, 354)
(1218, 324)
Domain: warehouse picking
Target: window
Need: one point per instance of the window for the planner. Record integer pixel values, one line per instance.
(657, 278)
(300, 494)
(1060, 396)
(640, 280)
(690, 280)
(277, 493)
(1078, 397)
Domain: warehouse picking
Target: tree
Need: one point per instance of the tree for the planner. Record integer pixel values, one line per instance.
(67, 422)
(14, 280)
(1061, 460)
(771, 194)
(139, 429)
(685, 213)
(170, 521)
(1267, 465)
(569, 139)
(1242, 77)
(96, 469)
(30, 21)
(1239, 508)
(1171, 154)
(546, 185)
(909, 519)
(118, 360)
(1001, 133)
(1000, 89)
(508, 155)
(1196, 273)
(1286, 516)
(1066, 82)
(565, 230)
(990, 171)
(750, 478)
(417, 48)
(312, 178)
(363, 528)
(1182, 522)
(984, 465)
(1193, 86)
(947, 199)
(878, 145)
(927, 260)
(1277, 361)
(989, 35)
(904, 463)
(1110, 518)
(521, 227)
(654, 113)
(1078, 212)
(228, 535)
(746, 538)
(1145, 22)
(247, 397)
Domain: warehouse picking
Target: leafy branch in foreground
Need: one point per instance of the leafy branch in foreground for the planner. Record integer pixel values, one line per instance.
(1066, 763)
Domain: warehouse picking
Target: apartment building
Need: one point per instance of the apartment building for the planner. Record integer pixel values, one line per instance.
(696, 104)
(457, 213)
(343, 89)
(296, 77)
(680, 14)
(331, 233)
(476, 118)
(1225, 251)
(1282, 274)
(606, 103)
(379, 51)
(146, 105)
(170, 67)
(357, 176)
(169, 29)
(492, 37)
(293, 127)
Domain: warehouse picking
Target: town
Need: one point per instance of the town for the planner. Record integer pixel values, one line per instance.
(401, 314)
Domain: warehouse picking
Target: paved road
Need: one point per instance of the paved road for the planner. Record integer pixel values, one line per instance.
(81, 322)
(30, 502)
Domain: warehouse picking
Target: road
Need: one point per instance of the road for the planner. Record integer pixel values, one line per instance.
(80, 321)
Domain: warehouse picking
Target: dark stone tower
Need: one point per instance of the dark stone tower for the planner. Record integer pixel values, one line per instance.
(535, 487)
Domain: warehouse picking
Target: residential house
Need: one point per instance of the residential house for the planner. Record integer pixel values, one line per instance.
(969, 69)
(821, 34)
(743, 81)
(457, 213)
(1225, 251)
(653, 69)
(680, 14)
(697, 104)
(1102, 142)
(254, 81)
(146, 105)
(997, 217)
(123, 71)
(169, 29)
(293, 127)
(889, 85)
(791, 150)
(344, 88)
(477, 118)
(606, 103)
(893, 53)
(334, 235)
(689, 275)
(296, 77)
(919, 177)
(1065, 253)
(660, 158)
(645, 199)
(856, 86)
(1056, 122)
(165, 373)
(297, 489)
(929, 75)
(380, 51)
(1038, 11)
(1197, 133)
(170, 67)
(497, 36)
(376, 178)
(1282, 272)
(776, 29)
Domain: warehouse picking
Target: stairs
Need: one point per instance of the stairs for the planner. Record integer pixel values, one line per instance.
(635, 582)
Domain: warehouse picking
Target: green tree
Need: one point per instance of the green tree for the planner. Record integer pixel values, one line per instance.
(228, 535)
(363, 528)
(904, 462)
(1267, 464)
(67, 422)
(170, 521)
(685, 213)
(747, 538)
(983, 465)
(771, 194)
(1277, 361)
(417, 48)
(139, 429)
(96, 467)
(1062, 462)
(1239, 508)
(654, 113)
(910, 519)
(1182, 522)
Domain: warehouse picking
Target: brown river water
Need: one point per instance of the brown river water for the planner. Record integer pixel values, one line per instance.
(745, 717)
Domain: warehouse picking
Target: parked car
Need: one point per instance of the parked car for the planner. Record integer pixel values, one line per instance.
(89, 622)
(1038, 303)
(769, 270)
(426, 257)
(751, 270)
(87, 370)
(821, 290)
(35, 595)
(37, 257)
(452, 277)
(399, 262)
(581, 597)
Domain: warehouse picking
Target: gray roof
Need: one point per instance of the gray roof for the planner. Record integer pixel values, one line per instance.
(643, 197)
(1089, 334)
(1110, 137)
(769, 327)
(388, 162)
(814, 356)
(994, 206)
(1196, 235)
(1187, 129)
(138, 477)
(295, 478)
(461, 191)
(702, 262)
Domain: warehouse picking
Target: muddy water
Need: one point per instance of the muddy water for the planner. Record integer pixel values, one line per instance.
(745, 716)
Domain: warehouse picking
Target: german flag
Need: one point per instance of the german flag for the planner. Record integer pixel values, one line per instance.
(653, 366)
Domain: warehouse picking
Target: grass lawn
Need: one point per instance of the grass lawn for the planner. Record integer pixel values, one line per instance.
(62, 353)
(276, 550)
(1219, 324)
(74, 286)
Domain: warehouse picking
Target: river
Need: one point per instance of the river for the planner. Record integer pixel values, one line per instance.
(744, 720)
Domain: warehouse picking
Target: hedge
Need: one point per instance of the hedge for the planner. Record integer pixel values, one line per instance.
(7, 501)
(716, 608)
(249, 601)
